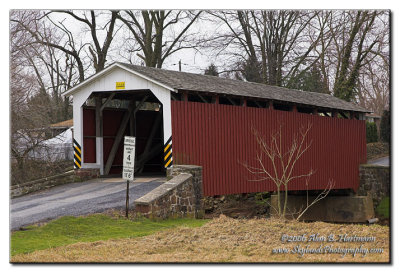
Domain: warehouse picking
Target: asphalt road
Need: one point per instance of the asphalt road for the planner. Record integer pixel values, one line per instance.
(384, 161)
(74, 199)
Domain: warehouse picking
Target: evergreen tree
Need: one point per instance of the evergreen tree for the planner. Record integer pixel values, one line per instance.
(372, 132)
(250, 70)
(211, 70)
(385, 126)
(309, 81)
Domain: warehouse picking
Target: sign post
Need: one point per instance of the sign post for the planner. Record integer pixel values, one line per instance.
(128, 166)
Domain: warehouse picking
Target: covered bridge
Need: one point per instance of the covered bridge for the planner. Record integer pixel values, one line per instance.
(185, 118)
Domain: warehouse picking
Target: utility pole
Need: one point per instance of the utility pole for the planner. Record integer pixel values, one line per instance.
(179, 65)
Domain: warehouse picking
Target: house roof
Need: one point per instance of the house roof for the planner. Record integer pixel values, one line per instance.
(372, 115)
(203, 83)
(63, 124)
(183, 81)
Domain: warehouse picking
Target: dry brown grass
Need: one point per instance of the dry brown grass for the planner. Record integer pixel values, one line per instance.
(221, 240)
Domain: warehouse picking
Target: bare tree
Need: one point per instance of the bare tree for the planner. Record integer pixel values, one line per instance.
(286, 45)
(351, 45)
(277, 39)
(373, 86)
(32, 106)
(50, 31)
(23, 85)
(58, 37)
(354, 46)
(54, 70)
(156, 35)
(373, 89)
(276, 163)
(57, 71)
(350, 40)
(97, 50)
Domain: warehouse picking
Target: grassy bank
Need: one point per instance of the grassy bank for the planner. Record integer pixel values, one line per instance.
(383, 208)
(225, 239)
(68, 230)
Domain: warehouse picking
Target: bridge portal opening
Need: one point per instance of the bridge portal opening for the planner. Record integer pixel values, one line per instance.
(110, 116)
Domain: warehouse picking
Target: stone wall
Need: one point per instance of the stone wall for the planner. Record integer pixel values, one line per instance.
(43, 183)
(197, 180)
(180, 196)
(78, 175)
(339, 209)
(87, 173)
(375, 182)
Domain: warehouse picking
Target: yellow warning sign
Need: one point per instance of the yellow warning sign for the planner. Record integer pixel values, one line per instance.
(120, 85)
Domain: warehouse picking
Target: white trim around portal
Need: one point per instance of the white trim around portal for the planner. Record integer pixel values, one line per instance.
(108, 69)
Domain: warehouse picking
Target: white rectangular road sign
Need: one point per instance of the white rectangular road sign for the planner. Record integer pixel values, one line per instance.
(129, 158)
(127, 174)
(130, 140)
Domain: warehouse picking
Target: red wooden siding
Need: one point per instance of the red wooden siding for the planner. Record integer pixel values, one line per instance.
(218, 137)
(111, 121)
(89, 136)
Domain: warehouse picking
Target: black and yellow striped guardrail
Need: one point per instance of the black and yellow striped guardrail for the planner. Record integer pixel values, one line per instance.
(168, 153)
(77, 155)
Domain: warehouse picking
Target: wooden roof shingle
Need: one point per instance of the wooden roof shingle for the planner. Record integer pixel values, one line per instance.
(203, 83)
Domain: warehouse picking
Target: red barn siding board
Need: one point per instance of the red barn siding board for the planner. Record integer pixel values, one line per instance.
(236, 153)
(111, 122)
(221, 157)
(89, 120)
(228, 147)
(89, 135)
(219, 138)
(212, 148)
(185, 150)
(89, 144)
(230, 144)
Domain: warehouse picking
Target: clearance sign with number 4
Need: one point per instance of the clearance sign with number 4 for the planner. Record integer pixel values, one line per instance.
(129, 158)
